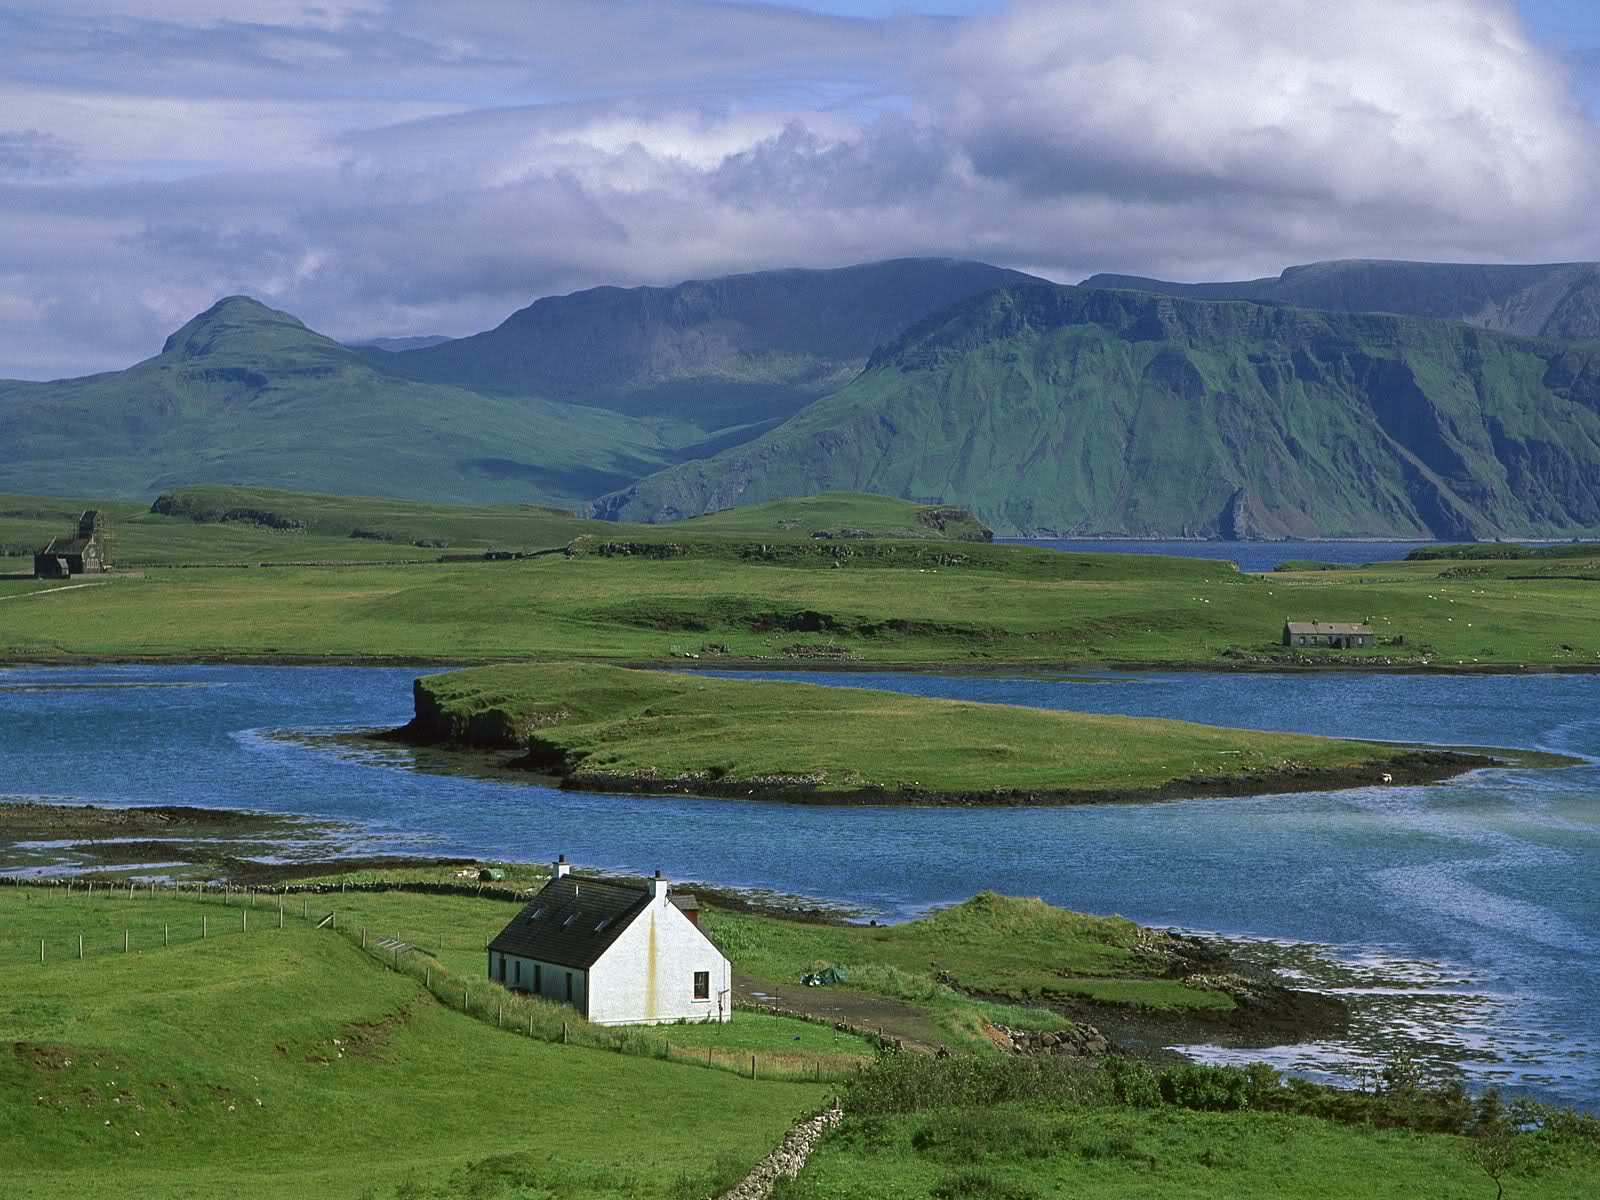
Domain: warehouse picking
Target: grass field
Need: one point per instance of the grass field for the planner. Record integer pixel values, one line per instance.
(1023, 1151)
(1034, 607)
(213, 524)
(591, 722)
(288, 1063)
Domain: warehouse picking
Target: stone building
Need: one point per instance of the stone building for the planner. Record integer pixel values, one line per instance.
(1334, 635)
(86, 551)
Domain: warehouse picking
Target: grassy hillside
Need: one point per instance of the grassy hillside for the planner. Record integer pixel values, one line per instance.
(287, 1063)
(213, 524)
(249, 394)
(1076, 411)
(605, 726)
(744, 350)
(1555, 300)
(957, 605)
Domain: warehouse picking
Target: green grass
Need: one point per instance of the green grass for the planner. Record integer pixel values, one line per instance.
(608, 721)
(983, 606)
(212, 524)
(1019, 950)
(1024, 1151)
(287, 1063)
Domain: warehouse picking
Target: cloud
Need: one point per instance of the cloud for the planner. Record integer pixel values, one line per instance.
(28, 153)
(410, 167)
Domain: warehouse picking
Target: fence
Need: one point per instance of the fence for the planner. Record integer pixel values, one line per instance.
(71, 925)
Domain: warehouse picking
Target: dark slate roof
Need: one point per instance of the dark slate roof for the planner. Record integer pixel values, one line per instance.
(1328, 628)
(571, 922)
(65, 546)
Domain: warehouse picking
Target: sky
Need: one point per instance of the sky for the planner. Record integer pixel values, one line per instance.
(396, 167)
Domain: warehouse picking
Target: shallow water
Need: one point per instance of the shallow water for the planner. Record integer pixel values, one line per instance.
(1482, 893)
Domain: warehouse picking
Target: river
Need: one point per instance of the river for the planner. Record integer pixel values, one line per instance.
(1480, 896)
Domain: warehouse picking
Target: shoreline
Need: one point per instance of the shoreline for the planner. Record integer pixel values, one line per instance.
(1300, 665)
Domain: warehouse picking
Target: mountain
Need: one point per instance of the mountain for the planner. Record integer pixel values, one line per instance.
(743, 350)
(246, 394)
(1556, 300)
(1073, 410)
(393, 345)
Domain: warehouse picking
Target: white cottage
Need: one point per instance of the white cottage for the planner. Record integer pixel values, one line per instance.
(619, 955)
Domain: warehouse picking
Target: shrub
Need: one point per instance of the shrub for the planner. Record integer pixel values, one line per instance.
(1206, 1089)
(1132, 1083)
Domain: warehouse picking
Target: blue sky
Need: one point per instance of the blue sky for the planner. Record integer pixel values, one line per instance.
(405, 166)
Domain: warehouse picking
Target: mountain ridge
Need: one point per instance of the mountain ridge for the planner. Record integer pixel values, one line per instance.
(1555, 300)
(1090, 411)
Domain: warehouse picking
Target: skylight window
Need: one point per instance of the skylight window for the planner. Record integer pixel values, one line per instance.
(601, 928)
(571, 917)
(538, 912)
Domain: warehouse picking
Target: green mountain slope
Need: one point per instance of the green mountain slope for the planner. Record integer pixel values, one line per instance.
(1556, 300)
(246, 394)
(716, 353)
(1074, 410)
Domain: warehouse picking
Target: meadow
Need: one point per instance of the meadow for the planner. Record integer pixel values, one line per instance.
(286, 1062)
(748, 585)
(603, 726)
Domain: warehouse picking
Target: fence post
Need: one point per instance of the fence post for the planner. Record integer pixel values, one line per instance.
(80, 947)
(752, 1066)
(500, 1016)
(427, 978)
(245, 913)
(363, 937)
(202, 926)
(280, 913)
(463, 997)
(166, 935)
(41, 951)
(530, 1024)
(563, 1024)
(124, 941)
(303, 902)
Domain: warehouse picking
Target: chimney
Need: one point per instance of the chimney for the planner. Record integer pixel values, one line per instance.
(658, 887)
(562, 868)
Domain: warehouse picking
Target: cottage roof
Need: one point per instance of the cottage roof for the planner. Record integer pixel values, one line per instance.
(1327, 628)
(64, 546)
(572, 922)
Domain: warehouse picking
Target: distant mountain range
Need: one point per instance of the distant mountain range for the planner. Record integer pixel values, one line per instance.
(1558, 300)
(1340, 399)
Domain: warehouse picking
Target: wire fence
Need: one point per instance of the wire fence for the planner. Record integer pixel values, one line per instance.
(67, 923)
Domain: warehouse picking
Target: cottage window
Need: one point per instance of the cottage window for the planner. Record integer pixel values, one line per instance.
(518, 970)
(502, 968)
(702, 985)
(536, 973)
(569, 986)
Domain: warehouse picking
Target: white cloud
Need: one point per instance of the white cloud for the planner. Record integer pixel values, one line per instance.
(415, 167)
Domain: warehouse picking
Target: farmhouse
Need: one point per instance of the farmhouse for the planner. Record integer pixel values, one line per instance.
(1335, 634)
(86, 550)
(619, 955)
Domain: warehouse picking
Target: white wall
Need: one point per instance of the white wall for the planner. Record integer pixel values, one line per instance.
(646, 976)
(552, 979)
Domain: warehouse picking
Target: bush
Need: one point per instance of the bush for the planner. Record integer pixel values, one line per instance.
(914, 1083)
(1206, 1089)
(1132, 1083)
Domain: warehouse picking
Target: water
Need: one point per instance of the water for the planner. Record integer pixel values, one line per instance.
(1251, 556)
(1481, 893)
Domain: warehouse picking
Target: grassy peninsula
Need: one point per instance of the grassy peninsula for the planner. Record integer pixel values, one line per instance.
(613, 728)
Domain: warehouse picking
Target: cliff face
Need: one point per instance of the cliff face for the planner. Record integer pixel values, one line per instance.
(1556, 300)
(1073, 410)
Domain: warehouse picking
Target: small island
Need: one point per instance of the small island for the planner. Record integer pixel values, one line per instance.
(603, 728)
